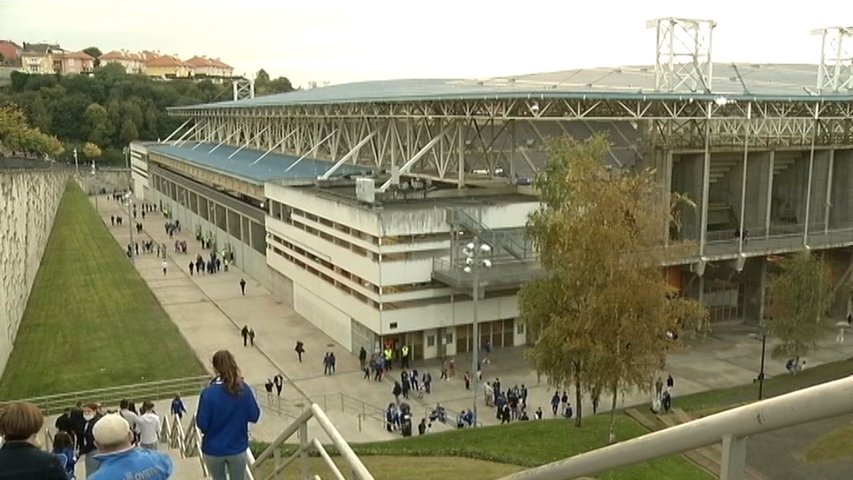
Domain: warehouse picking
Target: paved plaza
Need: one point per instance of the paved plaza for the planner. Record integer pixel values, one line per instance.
(209, 311)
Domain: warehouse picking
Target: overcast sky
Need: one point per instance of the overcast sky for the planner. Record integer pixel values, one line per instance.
(342, 40)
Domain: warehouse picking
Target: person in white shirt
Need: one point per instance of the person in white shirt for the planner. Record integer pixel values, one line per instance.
(128, 412)
(149, 427)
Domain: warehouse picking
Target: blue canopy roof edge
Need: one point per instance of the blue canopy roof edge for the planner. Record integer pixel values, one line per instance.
(743, 82)
(247, 164)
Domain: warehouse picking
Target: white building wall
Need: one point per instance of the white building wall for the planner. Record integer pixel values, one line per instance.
(326, 317)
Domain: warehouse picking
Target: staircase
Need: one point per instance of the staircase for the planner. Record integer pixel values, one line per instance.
(512, 241)
(707, 458)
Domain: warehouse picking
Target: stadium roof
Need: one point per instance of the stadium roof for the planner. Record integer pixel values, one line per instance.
(246, 165)
(738, 81)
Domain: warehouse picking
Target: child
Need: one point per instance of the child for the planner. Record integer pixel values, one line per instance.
(63, 449)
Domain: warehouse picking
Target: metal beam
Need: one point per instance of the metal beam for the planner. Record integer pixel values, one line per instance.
(309, 152)
(273, 148)
(423, 151)
(208, 137)
(249, 141)
(349, 155)
(190, 130)
(178, 129)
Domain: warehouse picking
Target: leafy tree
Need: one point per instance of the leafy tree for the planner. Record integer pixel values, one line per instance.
(280, 85)
(91, 151)
(67, 119)
(262, 78)
(128, 132)
(799, 294)
(17, 135)
(601, 313)
(98, 123)
(95, 53)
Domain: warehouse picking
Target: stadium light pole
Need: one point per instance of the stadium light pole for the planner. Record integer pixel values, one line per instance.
(126, 151)
(473, 262)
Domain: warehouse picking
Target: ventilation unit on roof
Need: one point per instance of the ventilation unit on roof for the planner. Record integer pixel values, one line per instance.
(365, 190)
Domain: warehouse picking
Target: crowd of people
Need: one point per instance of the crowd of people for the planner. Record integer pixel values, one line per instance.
(123, 443)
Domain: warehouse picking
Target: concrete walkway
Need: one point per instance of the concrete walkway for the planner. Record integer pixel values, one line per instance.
(209, 310)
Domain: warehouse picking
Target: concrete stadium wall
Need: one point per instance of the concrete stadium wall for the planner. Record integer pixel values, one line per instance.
(28, 202)
(108, 179)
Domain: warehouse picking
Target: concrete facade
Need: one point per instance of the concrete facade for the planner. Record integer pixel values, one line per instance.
(28, 200)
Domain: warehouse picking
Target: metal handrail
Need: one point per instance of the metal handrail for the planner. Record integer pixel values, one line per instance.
(160, 390)
(300, 425)
(731, 427)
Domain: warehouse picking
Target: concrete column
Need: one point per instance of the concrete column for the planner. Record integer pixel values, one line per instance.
(733, 463)
(771, 165)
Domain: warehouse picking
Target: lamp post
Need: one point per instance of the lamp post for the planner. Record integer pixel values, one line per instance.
(761, 375)
(126, 152)
(473, 261)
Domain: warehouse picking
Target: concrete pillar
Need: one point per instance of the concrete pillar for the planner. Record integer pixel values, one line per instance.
(733, 463)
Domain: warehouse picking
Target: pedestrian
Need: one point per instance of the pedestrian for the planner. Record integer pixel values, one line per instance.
(487, 347)
(658, 387)
(404, 356)
(149, 427)
(299, 349)
(427, 381)
(118, 458)
(192, 266)
(164, 267)
(178, 407)
(225, 409)
(332, 360)
(252, 336)
(268, 387)
(112, 220)
(555, 403)
(63, 450)
(362, 357)
(91, 416)
(327, 365)
(467, 381)
(245, 333)
(20, 456)
(670, 383)
(278, 380)
(243, 286)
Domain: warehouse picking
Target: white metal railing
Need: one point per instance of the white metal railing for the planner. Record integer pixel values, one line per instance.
(111, 396)
(731, 427)
(192, 445)
(172, 434)
(300, 427)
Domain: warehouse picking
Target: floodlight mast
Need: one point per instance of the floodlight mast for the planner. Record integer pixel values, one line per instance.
(835, 70)
(683, 54)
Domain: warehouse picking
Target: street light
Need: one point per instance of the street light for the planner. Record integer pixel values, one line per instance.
(760, 379)
(126, 152)
(473, 262)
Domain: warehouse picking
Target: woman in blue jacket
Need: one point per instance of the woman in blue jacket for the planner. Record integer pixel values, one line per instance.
(225, 409)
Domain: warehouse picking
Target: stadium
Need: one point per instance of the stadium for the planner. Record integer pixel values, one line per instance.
(354, 203)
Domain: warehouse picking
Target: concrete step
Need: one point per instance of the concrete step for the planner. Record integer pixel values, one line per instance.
(185, 468)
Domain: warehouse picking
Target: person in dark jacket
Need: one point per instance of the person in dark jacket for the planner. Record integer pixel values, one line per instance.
(64, 424)
(225, 409)
(91, 415)
(20, 458)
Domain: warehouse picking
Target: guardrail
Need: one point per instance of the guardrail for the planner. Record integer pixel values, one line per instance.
(162, 390)
(360, 408)
(732, 428)
(306, 446)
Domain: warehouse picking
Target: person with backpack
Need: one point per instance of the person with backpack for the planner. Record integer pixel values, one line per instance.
(63, 450)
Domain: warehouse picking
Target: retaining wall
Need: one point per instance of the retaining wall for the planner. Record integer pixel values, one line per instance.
(28, 203)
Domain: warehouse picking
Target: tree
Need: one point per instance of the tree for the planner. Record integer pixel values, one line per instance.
(128, 132)
(98, 124)
(280, 85)
(262, 78)
(17, 135)
(91, 151)
(95, 53)
(799, 294)
(601, 313)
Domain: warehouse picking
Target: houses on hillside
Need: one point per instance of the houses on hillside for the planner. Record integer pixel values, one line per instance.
(50, 58)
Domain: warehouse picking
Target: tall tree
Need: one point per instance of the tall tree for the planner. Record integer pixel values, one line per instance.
(128, 132)
(800, 292)
(601, 313)
(98, 124)
(95, 53)
(91, 151)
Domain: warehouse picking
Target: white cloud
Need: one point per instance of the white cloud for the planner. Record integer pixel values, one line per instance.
(341, 40)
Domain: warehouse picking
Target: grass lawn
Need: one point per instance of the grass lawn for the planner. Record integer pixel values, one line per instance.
(530, 444)
(717, 400)
(91, 321)
(395, 467)
(836, 445)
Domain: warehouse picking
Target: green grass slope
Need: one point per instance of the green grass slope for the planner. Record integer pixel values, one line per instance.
(91, 321)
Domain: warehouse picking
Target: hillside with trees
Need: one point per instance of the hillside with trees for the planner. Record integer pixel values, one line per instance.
(110, 108)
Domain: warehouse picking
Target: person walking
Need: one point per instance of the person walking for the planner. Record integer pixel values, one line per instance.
(191, 267)
(268, 387)
(225, 409)
(91, 416)
(63, 450)
(243, 286)
(362, 357)
(278, 381)
(178, 408)
(149, 427)
(300, 349)
(20, 456)
(245, 333)
(165, 265)
(252, 336)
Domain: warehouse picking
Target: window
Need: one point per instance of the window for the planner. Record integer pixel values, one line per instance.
(430, 340)
(393, 325)
(449, 338)
(520, 329)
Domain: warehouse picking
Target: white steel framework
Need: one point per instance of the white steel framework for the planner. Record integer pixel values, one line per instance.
(243, 89)
(835, 70)
(683, 54)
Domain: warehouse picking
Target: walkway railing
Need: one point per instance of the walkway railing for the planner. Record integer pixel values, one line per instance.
(110, 396)
(306, 446)
(361, 409)
(731, 427)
